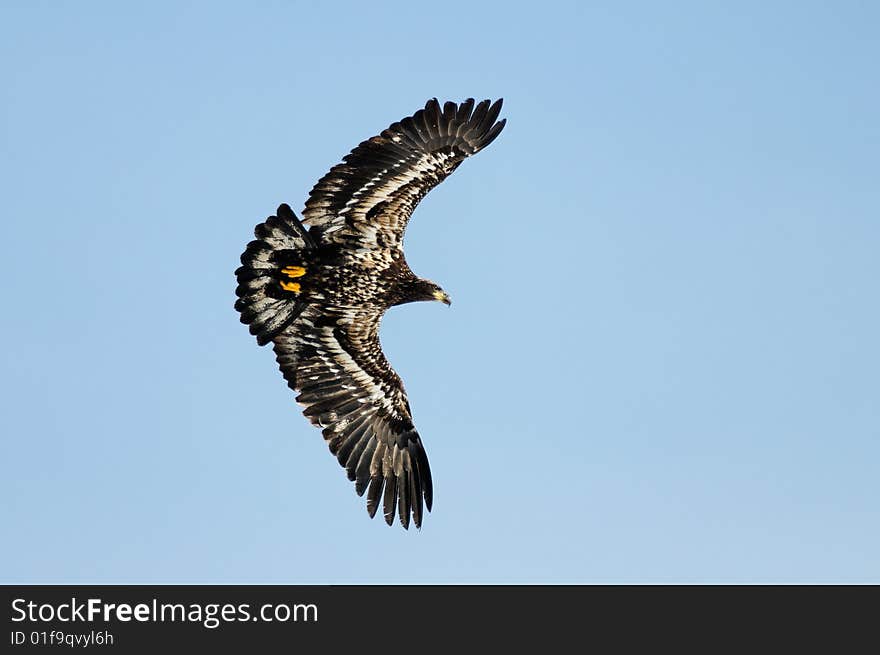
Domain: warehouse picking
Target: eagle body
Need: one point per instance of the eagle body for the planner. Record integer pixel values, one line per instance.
(317, 290)
(335, 279)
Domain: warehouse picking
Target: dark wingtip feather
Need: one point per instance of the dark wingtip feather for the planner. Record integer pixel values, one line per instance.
(415, 491)
(450, 110)
(488, 120)
(362, 472)
(424, 469)
(479, 113)
(389, 504)
(419, 122)
(493, 133)
(374, 494)
(403, 502)
(464, 111)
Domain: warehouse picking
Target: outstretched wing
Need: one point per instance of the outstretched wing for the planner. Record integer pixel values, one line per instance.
(366, 201)
(332, 356)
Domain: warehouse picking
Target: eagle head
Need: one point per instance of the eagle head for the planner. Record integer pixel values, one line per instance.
(442, 296)
(418, 289)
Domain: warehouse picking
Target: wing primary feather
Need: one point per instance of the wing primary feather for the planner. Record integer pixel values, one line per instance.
(403, 502)
(449, 111)
(494, 132)
(407, 133)
(489, 119)
(409, 127)
(354, 435)
(464, 110)
(425, 474)
(478, 115)
(420, 125)
(357, 451)
(432, 110)
(462, 120)
(426, 124)
(374, 493)
(378, 456)
(435, 119)
(415, 491)
(390, 498)
(362, 472)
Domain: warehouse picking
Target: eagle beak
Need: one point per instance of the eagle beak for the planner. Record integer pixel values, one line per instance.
(443, 297)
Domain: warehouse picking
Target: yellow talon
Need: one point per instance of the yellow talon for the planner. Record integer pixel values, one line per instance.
(290, 286)
(293, 271)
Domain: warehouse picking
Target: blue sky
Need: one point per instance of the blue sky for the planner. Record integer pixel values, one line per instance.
(661, 363)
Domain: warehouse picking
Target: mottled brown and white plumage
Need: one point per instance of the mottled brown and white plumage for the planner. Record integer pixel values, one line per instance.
(319, 294)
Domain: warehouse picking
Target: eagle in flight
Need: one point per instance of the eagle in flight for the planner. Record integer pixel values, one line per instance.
(318, 293)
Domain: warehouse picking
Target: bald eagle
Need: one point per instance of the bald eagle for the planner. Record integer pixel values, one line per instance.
(318, 294)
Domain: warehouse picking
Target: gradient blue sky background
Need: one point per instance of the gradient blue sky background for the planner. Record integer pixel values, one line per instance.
(662, 359)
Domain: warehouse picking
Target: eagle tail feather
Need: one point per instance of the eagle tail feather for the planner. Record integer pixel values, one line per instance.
(265, 304)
